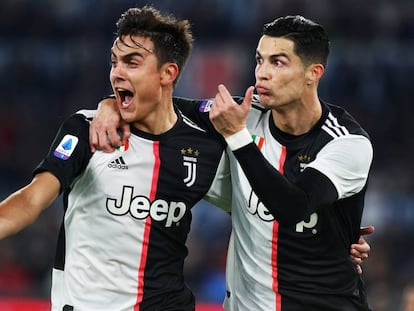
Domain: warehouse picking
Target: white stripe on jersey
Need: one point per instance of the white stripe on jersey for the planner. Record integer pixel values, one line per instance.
(89, 114)
(333, 128)
(256, 99)
(192, 124)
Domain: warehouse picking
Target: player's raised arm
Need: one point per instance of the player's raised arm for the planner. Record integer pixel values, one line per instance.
(23, 207)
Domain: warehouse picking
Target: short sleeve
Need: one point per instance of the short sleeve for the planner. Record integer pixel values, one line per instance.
(346, 161)
(69, 153)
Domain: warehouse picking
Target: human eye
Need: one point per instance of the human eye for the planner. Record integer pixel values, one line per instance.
(113, 62)
(132, 63)
(259, 60)
(278, 63)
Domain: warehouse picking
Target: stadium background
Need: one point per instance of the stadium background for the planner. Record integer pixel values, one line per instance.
(54, 60)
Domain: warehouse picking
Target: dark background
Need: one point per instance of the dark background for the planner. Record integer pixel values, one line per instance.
(54, 60)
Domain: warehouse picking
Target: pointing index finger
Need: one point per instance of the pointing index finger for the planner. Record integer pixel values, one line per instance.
(224, 93)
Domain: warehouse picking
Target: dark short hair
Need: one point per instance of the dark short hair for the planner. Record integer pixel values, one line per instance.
(172, 38)
(311, 41)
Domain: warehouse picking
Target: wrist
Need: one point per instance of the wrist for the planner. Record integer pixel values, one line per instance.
(239, 139)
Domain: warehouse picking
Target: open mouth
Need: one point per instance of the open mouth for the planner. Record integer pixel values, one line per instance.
(125, 97)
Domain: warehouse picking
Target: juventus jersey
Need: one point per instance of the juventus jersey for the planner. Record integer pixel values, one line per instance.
(127, 215)
(298, 263)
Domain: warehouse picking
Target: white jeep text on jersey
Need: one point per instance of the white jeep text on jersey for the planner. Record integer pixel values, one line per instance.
(255, 206)
(140, 207)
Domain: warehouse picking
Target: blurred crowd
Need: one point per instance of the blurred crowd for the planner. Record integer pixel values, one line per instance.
(54, 60)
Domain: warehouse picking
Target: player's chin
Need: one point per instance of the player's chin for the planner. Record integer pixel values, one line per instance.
(127, 116)
(265, 100)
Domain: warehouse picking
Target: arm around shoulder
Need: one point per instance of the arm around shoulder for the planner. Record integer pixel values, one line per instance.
(23, 207)
(103, 133)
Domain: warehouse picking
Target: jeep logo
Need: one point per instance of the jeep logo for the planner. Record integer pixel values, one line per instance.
(140, 207)
(255, 206)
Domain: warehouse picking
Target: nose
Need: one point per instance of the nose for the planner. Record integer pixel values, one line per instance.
(117, 72)
(262, 72)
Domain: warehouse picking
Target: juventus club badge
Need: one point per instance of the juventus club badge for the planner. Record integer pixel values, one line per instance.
(190, 163)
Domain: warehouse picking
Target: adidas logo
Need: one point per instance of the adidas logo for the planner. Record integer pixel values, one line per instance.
(118, 163)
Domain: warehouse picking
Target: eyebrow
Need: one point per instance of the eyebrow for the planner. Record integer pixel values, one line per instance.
(273, 55)
(127, 56)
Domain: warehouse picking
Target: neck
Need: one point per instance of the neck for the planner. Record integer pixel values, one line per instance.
(158, 123)
(160, 118)
(299, 117)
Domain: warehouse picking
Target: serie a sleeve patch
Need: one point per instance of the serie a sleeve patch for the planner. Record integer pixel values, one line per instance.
(66, 147)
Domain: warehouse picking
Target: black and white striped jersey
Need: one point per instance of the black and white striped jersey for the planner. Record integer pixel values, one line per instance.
(283, 254)
(127, 215)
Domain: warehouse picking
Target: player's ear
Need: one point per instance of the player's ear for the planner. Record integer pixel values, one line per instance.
(169, 73)
(314, 73)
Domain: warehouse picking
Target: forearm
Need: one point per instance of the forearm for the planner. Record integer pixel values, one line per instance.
(288, 202)
(23, 207)
(284, 201)
(15, 214)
